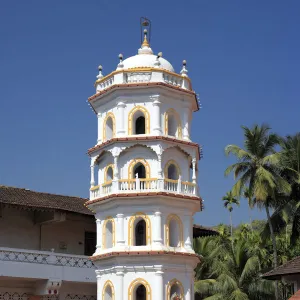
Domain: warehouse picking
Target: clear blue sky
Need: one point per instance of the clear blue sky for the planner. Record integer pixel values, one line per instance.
(243, 58)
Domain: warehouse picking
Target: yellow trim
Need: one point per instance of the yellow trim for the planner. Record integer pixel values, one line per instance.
(169, 286)
(126, 180)
(188, 183)
(108, 219)
(140, 69)
(171, 180)
(136, 282)
(112, 116)
(146, 115)
(167, 165)
(136, 161)
(95, 188)
(105, 173)
(167, 229)
(172, 111)
(107, 183)
(131, 227)
(108, 283)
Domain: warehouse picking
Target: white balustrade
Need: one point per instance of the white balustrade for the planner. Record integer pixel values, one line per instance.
(45, 257)
(138, 77)
(105, 83)
(145, 185)
(172, 79)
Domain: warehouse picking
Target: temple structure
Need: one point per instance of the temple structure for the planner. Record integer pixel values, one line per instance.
(144, 189)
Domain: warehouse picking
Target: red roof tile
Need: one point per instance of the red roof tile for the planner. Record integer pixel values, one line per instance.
(296, 296)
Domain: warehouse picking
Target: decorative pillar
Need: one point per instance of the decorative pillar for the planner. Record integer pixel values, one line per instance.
(119, 288)
(188, 295)
(157, 239)
(120, 230)
(156, 117)
(158, 292)
(194, 178)
(115, 183)
(99, 287)
(99, 236)
(120, 118)
(99, 140)
(187, 232)
(92, 175)
(185, 125)
(159, 166)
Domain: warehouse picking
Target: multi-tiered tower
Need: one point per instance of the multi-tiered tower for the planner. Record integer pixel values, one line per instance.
(144, 188)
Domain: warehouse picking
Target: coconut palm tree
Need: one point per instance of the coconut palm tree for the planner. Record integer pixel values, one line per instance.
(258, 167)
(229, 201)
(234, 276)
(249, 196)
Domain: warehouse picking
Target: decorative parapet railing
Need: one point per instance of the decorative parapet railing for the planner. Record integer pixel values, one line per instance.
(137, 185)
(45, 258)
(140, 75)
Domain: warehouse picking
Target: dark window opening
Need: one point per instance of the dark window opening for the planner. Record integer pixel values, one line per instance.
(89, 243)
(140, 233)
(172, 172)
(140, 293)
(140, 170)
(140, 125)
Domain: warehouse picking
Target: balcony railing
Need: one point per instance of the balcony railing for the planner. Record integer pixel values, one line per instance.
(144, 185)
(143, 75)
(45, 258)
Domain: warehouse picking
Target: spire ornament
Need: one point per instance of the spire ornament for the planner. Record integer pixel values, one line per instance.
(145, 42)
(100, 75)
(120, 64)
(184, 71)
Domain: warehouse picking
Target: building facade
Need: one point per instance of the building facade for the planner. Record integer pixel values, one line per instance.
(45, 244)
(144, 188)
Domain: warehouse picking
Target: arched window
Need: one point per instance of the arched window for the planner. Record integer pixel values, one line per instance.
(140, 293)
(139, 169)
(172, 170)
(108, 234)
(174, 234)
(174, 288)
(139, 289)
(140, 125)
(139, 229)
(173, 123)
(138, 121)
(140, 233)
(108, 173)
(108, 291)
(174, 231)
(139, 166)
(109, 127)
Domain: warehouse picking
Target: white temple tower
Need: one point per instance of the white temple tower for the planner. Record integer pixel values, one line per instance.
(144, 188)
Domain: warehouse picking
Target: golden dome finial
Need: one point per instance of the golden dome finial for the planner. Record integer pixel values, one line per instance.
(145, 42)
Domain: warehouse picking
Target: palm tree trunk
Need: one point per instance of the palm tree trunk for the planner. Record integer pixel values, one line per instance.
(250, 218)
(274, 248)
(231, 231)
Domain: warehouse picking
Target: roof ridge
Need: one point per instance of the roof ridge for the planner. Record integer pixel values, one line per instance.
(45, 193)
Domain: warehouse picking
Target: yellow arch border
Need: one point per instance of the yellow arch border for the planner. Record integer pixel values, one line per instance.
(171, 283)
(136, 282)
(167, 165)
(105, 173)
(167, 229)
(112, 116)
(136, 161)
(172, 111)
(108, 283)
(108, 219)
(146, 115)
(131, 227)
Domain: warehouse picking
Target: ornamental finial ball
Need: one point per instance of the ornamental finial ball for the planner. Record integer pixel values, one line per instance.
(120, 56)
(145, 31)
(184, 62)
(100, 68)
(159, 54)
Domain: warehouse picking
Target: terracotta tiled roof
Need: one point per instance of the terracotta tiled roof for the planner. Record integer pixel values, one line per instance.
(145, 138)
(290, 267)
(42, 201)
(143, 253)
(296, 296)
(199, 230)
